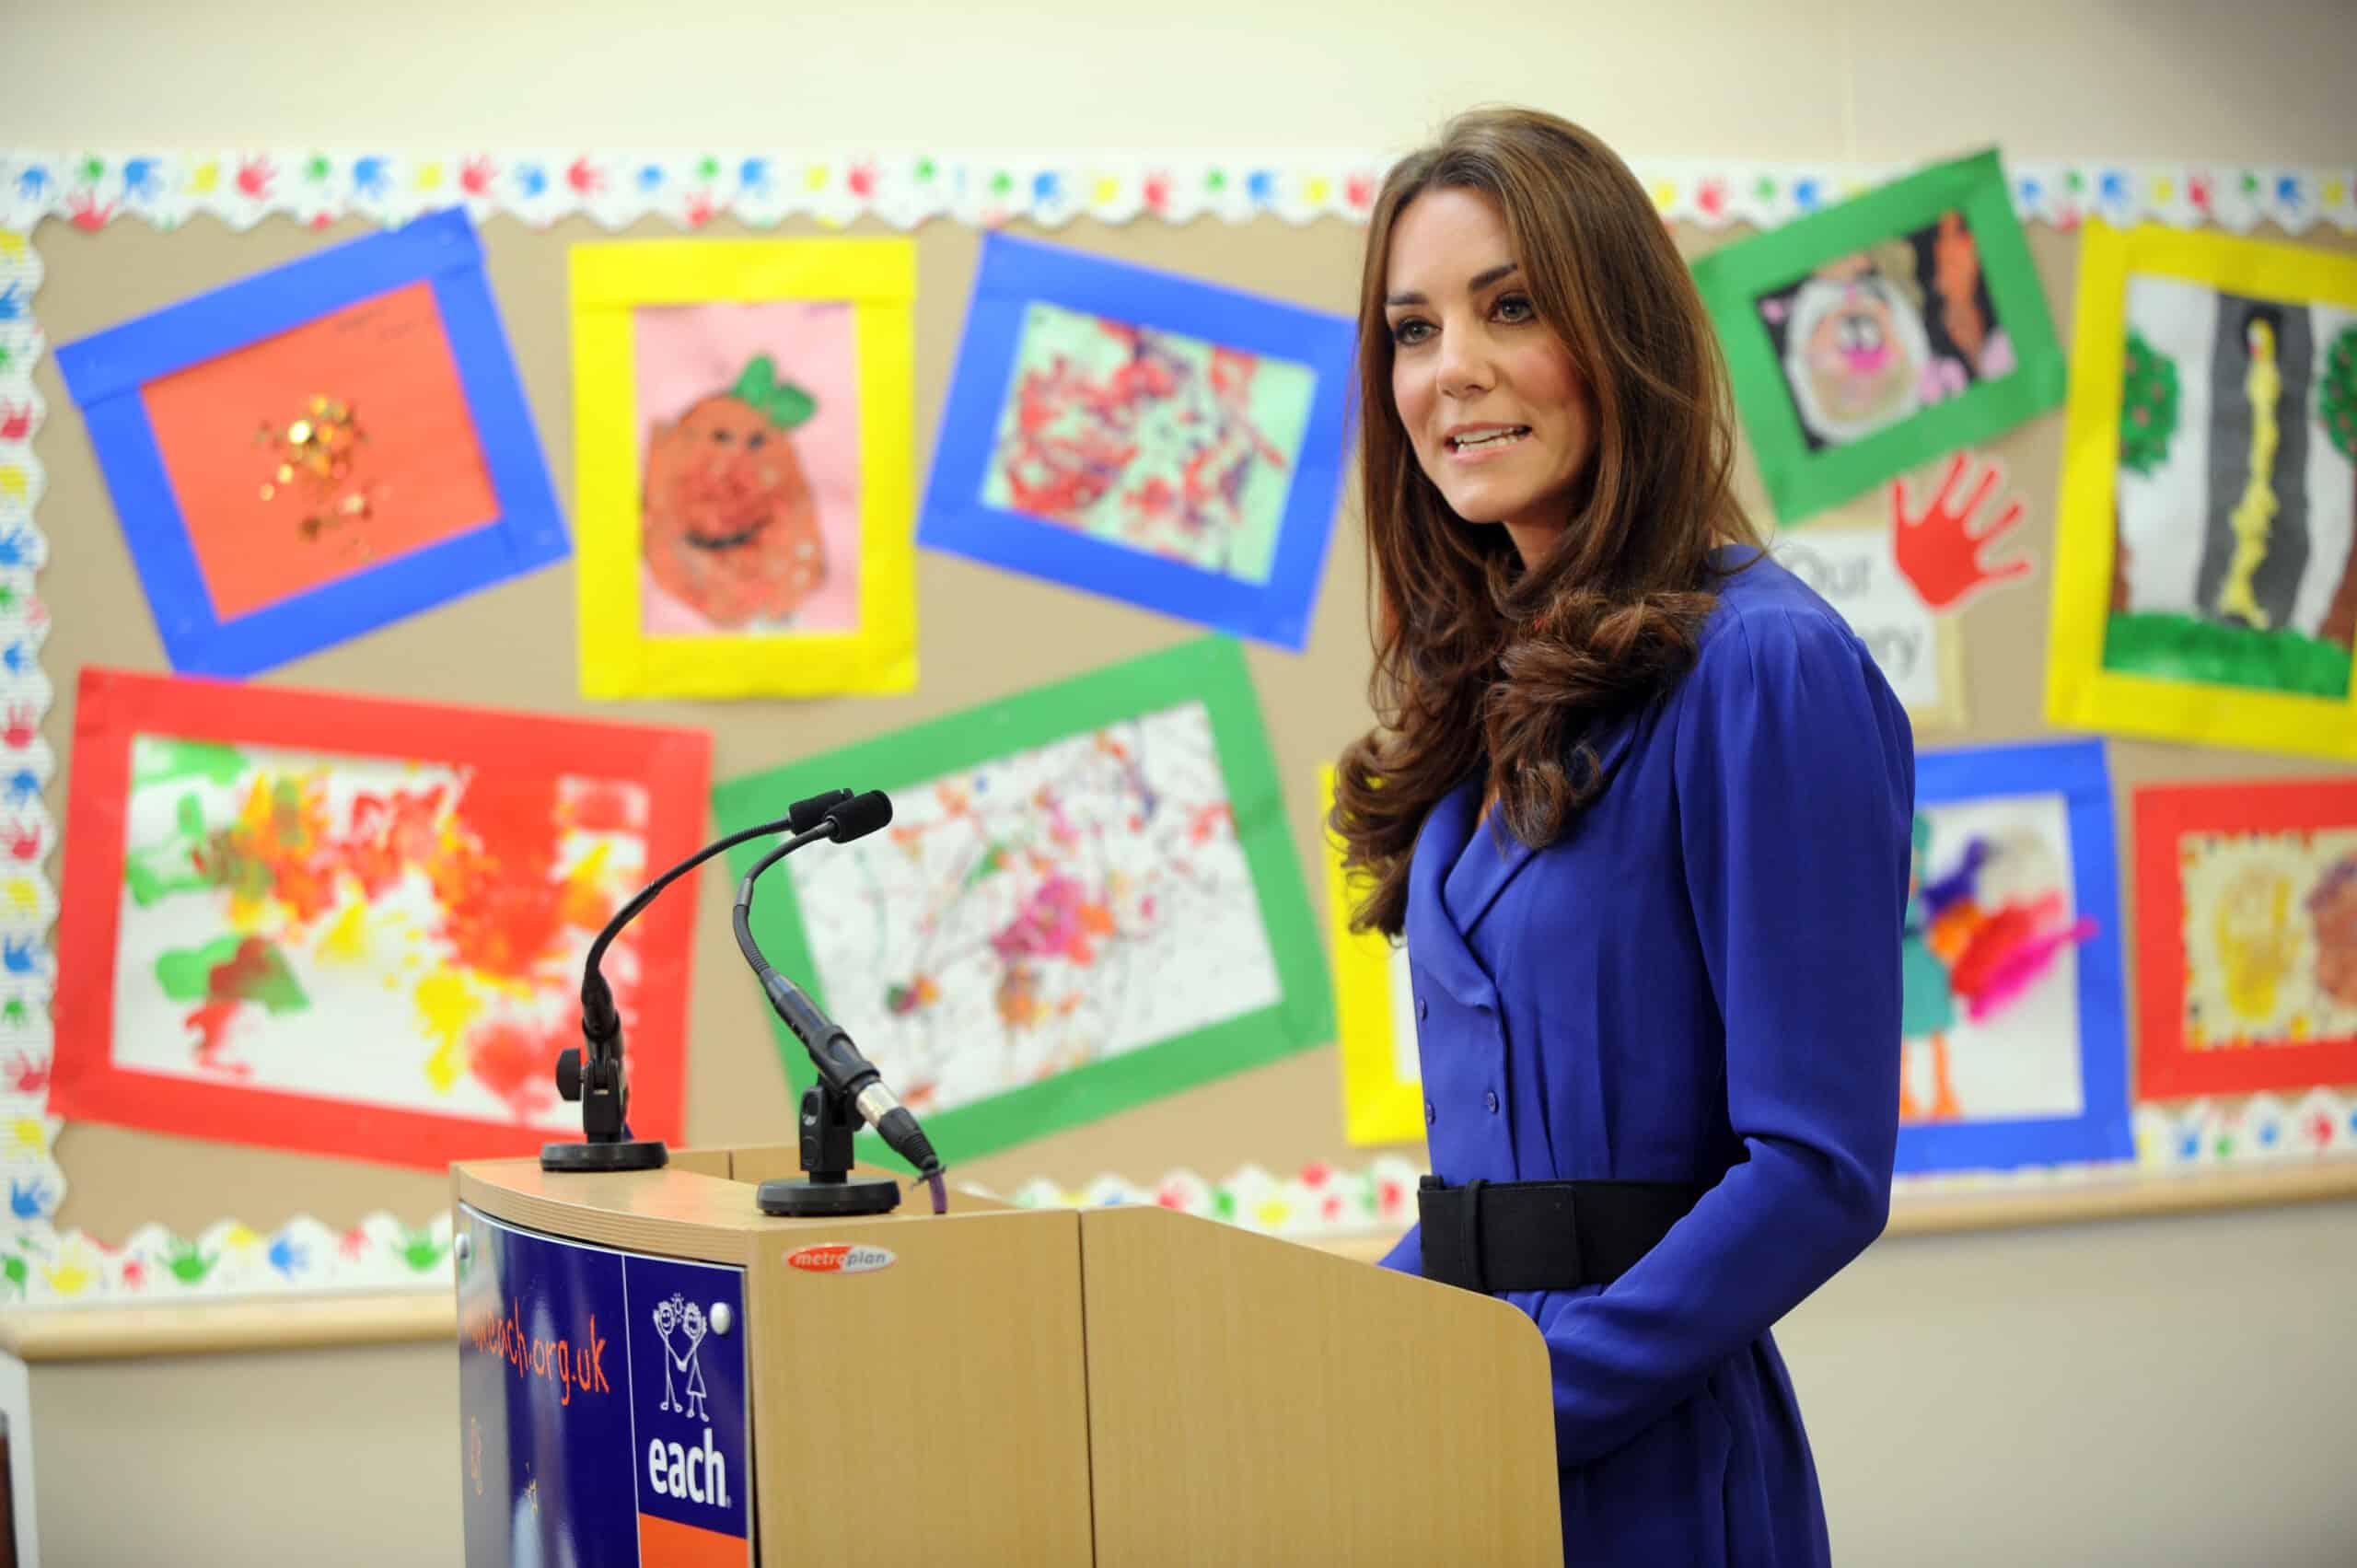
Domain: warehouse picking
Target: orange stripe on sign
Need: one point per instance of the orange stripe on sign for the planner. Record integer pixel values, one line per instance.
(663, 1544)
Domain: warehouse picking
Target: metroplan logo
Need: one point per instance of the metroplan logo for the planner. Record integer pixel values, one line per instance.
(695, 1472)
(840, 1258)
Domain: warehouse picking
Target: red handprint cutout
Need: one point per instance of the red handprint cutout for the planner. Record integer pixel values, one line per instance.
(1940, 551)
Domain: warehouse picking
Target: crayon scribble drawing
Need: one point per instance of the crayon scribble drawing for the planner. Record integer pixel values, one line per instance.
(404, 934)
(2233, 564)
(749, 490)
(2270, 938)
(1990, 1022)
(1152, 439)
(1042, 912)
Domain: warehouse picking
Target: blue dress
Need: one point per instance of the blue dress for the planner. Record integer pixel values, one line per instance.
(1700, 982)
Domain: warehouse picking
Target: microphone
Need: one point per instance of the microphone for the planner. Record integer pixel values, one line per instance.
(593, 1073)
(844, 1073)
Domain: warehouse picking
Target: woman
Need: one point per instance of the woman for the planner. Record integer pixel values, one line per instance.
(1640, 803)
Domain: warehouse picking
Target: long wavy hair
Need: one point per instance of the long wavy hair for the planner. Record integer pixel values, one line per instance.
(1482, 667)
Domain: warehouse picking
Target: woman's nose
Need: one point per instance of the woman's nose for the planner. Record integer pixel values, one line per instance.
(1463, 366)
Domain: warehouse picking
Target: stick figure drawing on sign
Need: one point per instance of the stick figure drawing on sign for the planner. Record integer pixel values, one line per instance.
(692, 1325)
(666, 1317)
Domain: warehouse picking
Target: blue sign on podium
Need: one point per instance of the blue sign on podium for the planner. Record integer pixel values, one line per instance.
(602, 1409)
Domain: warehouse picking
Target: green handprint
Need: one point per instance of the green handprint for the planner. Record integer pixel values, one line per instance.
(420, 1250)
(188, 1265)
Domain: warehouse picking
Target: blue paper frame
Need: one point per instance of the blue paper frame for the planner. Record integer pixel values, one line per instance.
(105, 373)
(2075, 769)
(1015, 273)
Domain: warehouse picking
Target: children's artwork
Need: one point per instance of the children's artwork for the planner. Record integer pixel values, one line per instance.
(356, 927)
(2247, 914)
(745, 413)
(1374, 1010)
(1873, 336)
(1852, 563)
(2013, 1037)
(2205, 586)
(1086, 899)
(318, 450)
(1145, 436)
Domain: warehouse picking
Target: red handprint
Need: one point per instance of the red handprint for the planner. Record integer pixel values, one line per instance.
(1157, 192)
(475, 176)
(22, 842)
(16, 423)
(254, 176)
(584, 177)
(22, 727)
(86, 213)
(862, 180)
(1940, 551)
(27, 1074)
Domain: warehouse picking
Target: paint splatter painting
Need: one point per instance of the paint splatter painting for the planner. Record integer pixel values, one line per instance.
(2013, 1047)
(2236, 488)
(396, 933)
(1152, 439)
(2247, 911)
(1054, 908)
(1087, 897)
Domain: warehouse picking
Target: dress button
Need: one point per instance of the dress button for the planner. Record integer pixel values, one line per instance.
(1422, 1008)
(1490, 1101)
(1429, 1114)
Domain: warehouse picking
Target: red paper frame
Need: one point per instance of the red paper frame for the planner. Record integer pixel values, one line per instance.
(672, 764)
(2166, 1068)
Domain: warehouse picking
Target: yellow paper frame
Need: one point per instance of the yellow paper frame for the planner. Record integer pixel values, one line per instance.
(1378, 1106)
(2080, 692)
(877, 277)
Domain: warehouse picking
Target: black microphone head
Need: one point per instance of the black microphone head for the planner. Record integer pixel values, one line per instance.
(807, 814)
(860, 816)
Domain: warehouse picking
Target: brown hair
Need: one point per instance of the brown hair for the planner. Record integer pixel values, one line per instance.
(1478, 664)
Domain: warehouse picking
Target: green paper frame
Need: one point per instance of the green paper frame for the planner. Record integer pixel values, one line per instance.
(1210, 670)
(1801, 482)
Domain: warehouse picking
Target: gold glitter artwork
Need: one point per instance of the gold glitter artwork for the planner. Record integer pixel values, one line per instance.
(314, 474)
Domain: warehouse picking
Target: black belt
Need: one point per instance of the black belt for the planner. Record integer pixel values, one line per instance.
(1495, 1237)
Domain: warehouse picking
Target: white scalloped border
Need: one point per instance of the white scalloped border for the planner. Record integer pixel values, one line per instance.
(612, 188)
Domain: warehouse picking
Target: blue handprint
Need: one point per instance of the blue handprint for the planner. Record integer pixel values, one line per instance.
(287, 1258)
(532, 178)
(753, 174)
(24, 787)
(33, 183)
(369, 178)
(16, 545)
(20, 955)
(140, 182)
(30, 1199)
(11, 307)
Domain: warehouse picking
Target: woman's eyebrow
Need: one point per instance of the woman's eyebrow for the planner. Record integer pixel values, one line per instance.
(1481, 281)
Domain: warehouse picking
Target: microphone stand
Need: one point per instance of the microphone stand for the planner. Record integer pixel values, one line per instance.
(592, 1074)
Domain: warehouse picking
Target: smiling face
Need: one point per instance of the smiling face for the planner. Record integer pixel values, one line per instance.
(730, 527)
(1500, 418)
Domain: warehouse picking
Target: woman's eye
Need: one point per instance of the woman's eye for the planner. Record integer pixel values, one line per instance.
(1410, 330)
(1514, 308)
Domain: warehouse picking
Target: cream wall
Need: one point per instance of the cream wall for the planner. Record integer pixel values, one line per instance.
(2175, 1390)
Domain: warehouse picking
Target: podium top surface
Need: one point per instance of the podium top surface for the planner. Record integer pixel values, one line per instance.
(701, 1206)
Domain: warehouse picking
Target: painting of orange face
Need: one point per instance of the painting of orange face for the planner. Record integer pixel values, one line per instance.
(728, 523)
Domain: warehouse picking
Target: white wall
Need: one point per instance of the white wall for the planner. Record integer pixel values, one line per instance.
(2176, 1390)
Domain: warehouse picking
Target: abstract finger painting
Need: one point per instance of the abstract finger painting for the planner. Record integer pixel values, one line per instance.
(356, 927)
(2012, 1033)
(1867, 338)
(745, 418)
(2246, 916)
(1086, 898)
(319, 449)
(1145, 436)
(2206, 586)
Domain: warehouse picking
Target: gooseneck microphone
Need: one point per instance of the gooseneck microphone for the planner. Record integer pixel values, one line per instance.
(593, 1073)
(846, 1078)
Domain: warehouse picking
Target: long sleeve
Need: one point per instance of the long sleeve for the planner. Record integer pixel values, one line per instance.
(1407, 1254)
(1794, 780)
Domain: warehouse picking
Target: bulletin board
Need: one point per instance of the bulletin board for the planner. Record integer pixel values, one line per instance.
(982, 634)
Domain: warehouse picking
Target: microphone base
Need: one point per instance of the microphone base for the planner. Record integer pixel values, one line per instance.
(799, 1199)
(629, 1154)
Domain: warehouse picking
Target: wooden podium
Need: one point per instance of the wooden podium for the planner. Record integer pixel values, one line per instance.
(1118, 1385)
